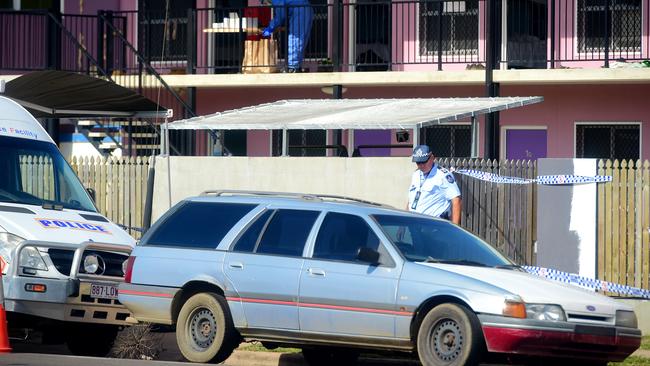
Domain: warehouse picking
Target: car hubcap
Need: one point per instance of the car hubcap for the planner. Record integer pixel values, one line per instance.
(447, 340)
(203, 328)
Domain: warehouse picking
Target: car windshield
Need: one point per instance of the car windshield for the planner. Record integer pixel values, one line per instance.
(35, 173)
(422, 239)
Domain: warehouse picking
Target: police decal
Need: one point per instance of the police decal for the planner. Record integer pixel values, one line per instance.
(74, 225)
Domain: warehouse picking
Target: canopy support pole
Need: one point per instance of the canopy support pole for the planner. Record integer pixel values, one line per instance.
(416, 136)
(474, 152)
(350, 143)
(285, 142)
(169, 168)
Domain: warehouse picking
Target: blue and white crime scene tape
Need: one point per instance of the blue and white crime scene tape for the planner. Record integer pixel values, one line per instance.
(558, 179)
(588, 283)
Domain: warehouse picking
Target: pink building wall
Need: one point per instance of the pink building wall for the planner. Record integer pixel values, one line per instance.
(563, 106)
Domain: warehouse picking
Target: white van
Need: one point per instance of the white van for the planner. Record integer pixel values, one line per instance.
(61, 260)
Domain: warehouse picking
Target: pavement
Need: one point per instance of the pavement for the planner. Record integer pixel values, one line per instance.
(170, 355)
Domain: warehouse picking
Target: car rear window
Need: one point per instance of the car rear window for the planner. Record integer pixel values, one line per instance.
(198, 224)
(287, 232)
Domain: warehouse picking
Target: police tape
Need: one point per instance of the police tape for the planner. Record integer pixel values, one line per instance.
(558, 179)
(585, 282)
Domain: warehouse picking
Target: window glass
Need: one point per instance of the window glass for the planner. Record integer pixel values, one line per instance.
(460, 31)
(287, 232)
(35, 173)
(341, 236)
(625, 25)
(247, 241)
(198, 224)
(449, 141)
(617, 141)
(425, 239)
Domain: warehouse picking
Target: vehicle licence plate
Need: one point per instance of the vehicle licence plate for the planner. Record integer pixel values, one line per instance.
(101, 291)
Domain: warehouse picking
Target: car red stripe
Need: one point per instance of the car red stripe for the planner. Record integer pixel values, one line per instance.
(320, 306)
(145, 293)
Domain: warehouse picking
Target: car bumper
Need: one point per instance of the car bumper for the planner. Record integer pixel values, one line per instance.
(148, 303)
(562, 339)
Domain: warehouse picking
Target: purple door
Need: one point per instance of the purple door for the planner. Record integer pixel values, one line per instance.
(364, 140)
(525, 144)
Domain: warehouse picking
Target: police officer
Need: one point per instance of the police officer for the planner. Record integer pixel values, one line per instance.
(433, 189)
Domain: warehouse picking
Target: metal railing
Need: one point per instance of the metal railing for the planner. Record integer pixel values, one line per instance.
(361, 36)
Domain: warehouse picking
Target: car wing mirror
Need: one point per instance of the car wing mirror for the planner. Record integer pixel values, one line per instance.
(368, 255)
(92, 194)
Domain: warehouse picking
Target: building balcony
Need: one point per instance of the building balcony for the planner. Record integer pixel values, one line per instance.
(351, 42)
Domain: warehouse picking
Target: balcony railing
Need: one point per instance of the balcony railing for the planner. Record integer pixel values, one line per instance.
(366, 35)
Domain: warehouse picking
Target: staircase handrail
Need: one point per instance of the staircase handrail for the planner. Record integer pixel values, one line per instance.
(143, 62)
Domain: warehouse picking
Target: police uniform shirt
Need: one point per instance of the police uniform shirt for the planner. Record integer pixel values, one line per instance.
(437, 189)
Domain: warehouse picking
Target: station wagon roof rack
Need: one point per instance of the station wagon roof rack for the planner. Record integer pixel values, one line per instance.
(304, 196)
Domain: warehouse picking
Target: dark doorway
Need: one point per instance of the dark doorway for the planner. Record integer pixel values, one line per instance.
(228, 47)
(156, 44)
(373, 19)
(527, 32)
(234, 142)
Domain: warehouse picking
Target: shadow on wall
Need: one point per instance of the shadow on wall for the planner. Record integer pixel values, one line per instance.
(558, 247)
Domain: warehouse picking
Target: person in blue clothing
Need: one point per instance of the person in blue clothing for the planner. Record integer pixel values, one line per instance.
(300, 16)
(433, 189)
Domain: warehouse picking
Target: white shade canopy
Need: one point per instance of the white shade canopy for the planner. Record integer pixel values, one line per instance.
(324, 114)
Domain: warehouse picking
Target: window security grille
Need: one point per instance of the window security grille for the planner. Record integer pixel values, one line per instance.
(624, 25)
(309, 138)
(608, 141)
(449, 141)
(459, 27)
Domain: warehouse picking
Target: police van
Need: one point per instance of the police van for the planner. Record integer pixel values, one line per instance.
(61, 260)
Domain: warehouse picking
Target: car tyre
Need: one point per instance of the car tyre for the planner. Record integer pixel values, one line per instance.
(328, 356)
(204, 329)
(94, 340)
(450, 335)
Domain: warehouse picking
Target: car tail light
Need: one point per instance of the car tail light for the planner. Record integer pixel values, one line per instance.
(129, 269)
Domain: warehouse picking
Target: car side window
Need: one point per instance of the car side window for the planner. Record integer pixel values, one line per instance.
(287, 232)
(341, 235)
(248, 240)
(198, 224)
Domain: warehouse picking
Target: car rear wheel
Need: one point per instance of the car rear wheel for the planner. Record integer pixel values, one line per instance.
(204, 329)
(327, 356)
(449, 335)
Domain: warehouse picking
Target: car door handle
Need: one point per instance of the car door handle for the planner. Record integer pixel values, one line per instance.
(316, 272)
(236, 265)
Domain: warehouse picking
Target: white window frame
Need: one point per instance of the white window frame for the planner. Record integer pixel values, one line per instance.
(599, 50)
(577, 123)
(432, 54)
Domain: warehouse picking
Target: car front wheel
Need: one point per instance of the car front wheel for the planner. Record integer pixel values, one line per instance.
(204, 330)
(449, 335)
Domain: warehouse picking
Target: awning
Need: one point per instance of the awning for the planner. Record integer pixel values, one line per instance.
(62, 94)
(306, 114)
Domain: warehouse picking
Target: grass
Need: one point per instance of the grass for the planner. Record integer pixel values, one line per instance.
(258, 347)
(632, 361)
(645, 343)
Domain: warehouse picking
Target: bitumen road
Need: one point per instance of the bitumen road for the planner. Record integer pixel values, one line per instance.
(27, 354)
(31, 354)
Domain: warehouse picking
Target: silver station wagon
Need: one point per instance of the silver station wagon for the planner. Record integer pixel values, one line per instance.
(335, 276)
